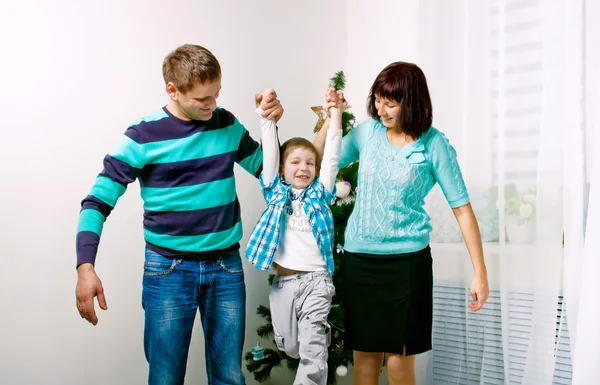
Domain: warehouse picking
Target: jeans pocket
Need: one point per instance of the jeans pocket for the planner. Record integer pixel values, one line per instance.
(157, 265)
(231, 263)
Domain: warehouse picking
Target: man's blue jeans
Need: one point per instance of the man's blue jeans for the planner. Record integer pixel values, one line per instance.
(173, 290)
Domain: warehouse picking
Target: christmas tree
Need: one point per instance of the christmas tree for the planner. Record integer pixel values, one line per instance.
(260, 362)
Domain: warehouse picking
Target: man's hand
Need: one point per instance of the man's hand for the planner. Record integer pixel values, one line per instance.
(88, 287)
(271, 106)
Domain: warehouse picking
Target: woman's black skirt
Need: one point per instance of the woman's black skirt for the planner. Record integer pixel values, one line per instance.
(388, 301)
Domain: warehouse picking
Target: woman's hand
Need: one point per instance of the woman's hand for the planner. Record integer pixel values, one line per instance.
(334, 100)
(480, 291)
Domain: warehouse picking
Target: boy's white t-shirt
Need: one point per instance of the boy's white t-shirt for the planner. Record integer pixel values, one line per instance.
(298, 249)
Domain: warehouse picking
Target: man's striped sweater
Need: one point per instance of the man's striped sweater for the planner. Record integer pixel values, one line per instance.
(185, 170)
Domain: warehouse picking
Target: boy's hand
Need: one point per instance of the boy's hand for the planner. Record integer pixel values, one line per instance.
(269, 103)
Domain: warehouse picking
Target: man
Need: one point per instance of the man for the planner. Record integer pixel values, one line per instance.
(183, 156)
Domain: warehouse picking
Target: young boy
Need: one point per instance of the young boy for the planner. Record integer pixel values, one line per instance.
(295, 236)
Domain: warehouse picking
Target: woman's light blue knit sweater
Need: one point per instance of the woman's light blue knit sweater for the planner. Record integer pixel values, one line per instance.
(389, 217)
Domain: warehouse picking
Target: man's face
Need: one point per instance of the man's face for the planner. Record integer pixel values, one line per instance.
(199, 102)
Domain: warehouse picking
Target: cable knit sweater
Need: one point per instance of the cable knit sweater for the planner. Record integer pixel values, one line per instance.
(389, 217)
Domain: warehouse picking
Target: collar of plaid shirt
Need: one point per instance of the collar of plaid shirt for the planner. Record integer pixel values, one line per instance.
(265, 237)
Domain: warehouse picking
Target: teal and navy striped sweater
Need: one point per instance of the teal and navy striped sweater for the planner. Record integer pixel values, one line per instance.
(185, 170)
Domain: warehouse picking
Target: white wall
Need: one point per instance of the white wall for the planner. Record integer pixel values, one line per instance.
(75, 74)
(379, 32)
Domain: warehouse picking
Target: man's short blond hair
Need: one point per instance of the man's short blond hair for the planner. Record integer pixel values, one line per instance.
(189, 65)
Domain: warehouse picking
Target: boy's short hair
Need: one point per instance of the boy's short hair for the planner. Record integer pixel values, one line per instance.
(404, 83)
(189, 65)
(290, 145)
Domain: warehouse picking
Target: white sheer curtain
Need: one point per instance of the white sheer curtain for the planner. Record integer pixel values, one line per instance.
(582, 252)
(586, 286)
(509, 83)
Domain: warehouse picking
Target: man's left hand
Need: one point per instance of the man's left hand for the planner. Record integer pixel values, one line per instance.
(269, 103)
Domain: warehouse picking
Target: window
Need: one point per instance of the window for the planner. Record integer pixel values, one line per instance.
(468, 347)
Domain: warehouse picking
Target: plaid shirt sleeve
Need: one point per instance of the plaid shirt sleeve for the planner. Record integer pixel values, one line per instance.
(264, 239)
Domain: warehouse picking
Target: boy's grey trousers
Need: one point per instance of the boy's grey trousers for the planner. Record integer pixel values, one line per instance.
(300, 304)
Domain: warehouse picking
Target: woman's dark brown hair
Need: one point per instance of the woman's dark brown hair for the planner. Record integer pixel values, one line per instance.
(405, 84)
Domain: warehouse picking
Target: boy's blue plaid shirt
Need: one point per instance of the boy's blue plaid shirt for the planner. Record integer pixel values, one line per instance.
(265, 237)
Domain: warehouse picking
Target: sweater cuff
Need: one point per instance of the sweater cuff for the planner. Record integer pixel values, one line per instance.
(87, 247)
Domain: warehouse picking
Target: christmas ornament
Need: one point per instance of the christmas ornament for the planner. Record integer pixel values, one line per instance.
(258, 353)
(341, 371)
(345, 201)
(322, 114)
(322, 117)
(342, 189)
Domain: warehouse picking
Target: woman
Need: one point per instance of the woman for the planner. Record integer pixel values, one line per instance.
(387, 264)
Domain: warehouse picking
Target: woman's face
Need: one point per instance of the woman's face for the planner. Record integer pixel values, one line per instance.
(388, 110)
